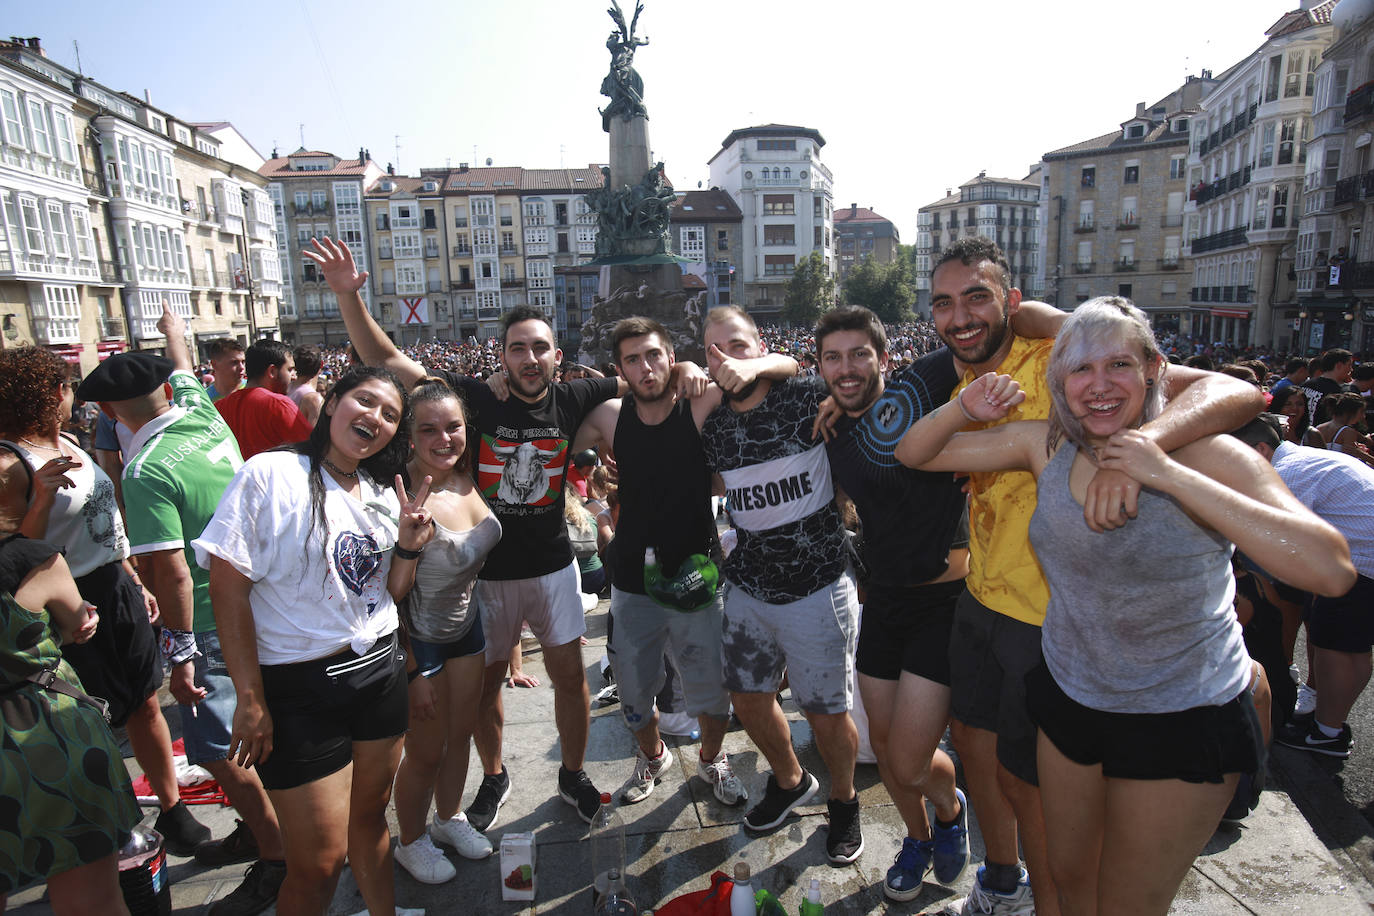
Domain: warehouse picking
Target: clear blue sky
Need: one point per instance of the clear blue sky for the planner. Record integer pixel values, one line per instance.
(911, 97)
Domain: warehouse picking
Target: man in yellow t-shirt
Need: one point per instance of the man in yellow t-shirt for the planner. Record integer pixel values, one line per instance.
(995, 639)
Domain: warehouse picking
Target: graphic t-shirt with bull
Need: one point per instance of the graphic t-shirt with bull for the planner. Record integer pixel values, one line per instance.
(777, 481)
(522, 457)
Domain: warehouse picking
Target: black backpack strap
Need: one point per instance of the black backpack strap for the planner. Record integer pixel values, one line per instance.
(28, 487)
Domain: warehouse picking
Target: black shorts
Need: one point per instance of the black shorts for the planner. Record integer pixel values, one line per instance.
(320, 707)
(906, 628)
(1199, 745)
(1344, 624)
(121, 663)
(990, 655)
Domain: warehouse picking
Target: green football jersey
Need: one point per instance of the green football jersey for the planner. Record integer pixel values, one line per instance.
(182, 462)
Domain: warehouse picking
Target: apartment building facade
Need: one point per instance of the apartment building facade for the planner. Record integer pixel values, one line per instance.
(1006, 210)
(1335, 261)
(707, 228)
(1113, 210)
(861, 233)
(1246, 167)
(317, 194)
(785, 194)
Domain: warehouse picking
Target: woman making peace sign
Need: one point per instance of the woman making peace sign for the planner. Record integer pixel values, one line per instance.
(306, 554)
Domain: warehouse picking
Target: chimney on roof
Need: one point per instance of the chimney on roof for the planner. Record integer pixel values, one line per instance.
(1140, 109)
(462, 166)
(360, 155)
(147, 97)
(35, 45)
(390, 169)
(1206, 74)
(854, 207)
(274, 153)
(367, 155)
(983, 173)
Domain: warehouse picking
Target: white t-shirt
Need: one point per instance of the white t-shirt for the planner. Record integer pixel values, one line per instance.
(308, 602)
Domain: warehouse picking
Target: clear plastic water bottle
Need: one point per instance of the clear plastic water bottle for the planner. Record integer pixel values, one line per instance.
(607, 835)
(617, 900)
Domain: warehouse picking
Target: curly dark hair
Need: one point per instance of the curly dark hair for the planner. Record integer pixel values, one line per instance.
(31, 380)
(972, 250)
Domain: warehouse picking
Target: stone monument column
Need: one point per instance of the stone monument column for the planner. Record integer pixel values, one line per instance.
(639, 274)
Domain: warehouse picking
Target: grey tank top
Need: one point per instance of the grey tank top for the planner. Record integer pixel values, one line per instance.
(1140, 618)
(439, 607)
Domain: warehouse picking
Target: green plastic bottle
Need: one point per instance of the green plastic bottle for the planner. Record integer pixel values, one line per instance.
(691, 588)
(811, 903)
(767, 904)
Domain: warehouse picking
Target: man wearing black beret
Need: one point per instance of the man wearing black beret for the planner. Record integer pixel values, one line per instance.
(182, 457)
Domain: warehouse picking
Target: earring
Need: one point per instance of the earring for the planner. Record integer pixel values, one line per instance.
(1149, 383)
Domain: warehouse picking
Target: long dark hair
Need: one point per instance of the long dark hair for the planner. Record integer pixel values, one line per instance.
(1281, 398)
(381, 467)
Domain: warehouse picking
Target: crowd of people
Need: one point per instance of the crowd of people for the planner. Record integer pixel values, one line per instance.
(333, 556)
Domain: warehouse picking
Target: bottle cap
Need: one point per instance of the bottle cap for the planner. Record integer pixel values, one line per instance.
(650, 558)
(605, 798)
(741, 872)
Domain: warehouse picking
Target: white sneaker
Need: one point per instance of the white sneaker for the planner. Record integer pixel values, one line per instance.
(1307, 701)
(461, 835)
(722, 778)
(424, 861)
(983, 902)
(647, 773)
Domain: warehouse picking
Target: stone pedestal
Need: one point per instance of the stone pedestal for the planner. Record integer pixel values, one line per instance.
(652, 291)
(629, 150)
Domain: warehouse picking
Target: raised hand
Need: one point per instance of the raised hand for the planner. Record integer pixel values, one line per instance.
(990, 397)
(733, 375)
(51, 477)
(336, 263)
(416, 527)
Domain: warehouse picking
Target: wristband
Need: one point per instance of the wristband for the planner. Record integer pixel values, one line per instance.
(178, 646)
(412, 675)
(959, 399)
(405, 554)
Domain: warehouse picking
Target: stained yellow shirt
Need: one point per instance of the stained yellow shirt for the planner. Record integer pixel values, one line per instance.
(1004, 574)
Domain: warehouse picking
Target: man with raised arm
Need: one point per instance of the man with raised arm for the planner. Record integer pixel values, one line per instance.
(665, 505)
(531, 576)
(995, 639)
(181, 458)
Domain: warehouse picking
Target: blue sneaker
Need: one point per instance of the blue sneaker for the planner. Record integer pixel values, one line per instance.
(951, 845)
(903, 880)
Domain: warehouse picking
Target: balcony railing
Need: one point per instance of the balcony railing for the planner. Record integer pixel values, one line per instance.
(1128, 221)
(1126, 264)
(1083, 267)
(1360, 103)
(111, 328)
(109, 271)
(435, 286)
(431, 251)
(462, 251)
(510, 251)
(1170, 220)
(1168, 263)
(1218, 240)
(1085, 225)
(388, 287)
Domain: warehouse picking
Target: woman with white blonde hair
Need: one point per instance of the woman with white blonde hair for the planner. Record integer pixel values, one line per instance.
(1146, 722)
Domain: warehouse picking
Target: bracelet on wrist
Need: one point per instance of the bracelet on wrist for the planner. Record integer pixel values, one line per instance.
(412, 675)
(178, 646)
(405, 554)
(959, 399)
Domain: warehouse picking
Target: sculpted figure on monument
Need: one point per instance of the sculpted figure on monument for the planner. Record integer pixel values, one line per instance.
(622, 84)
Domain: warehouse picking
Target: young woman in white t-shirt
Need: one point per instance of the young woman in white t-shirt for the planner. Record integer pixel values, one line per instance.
(300, 557)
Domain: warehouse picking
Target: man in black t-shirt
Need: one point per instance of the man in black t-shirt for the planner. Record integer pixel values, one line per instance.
(916, 556)
(1331, 375)
(790, 602)
(522, 458)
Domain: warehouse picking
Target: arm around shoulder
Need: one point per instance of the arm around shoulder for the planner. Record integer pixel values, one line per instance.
(1201, 404)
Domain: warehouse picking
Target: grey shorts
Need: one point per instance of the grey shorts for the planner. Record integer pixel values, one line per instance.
(643, 631)
(812, 638)
(990, 655)
(551, 604)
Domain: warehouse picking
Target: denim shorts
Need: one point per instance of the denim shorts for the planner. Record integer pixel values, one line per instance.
(206, 732)
(431, 656)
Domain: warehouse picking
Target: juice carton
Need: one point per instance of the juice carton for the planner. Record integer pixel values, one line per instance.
(518, 874)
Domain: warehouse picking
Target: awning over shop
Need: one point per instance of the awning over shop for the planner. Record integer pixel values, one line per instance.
(1232, 313)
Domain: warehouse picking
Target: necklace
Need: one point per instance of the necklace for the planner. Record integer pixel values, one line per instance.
(351, 475)
(46, 448)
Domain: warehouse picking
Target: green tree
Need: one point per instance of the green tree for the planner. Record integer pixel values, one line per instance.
(887, 289)
(810, 291)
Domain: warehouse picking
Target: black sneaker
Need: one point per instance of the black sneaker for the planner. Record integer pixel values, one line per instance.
(180, 830)
(777, 803)
(577, 790)
(1306, 736)
(845, 840)
(491, 795)
(239, 846)
(259, 889)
